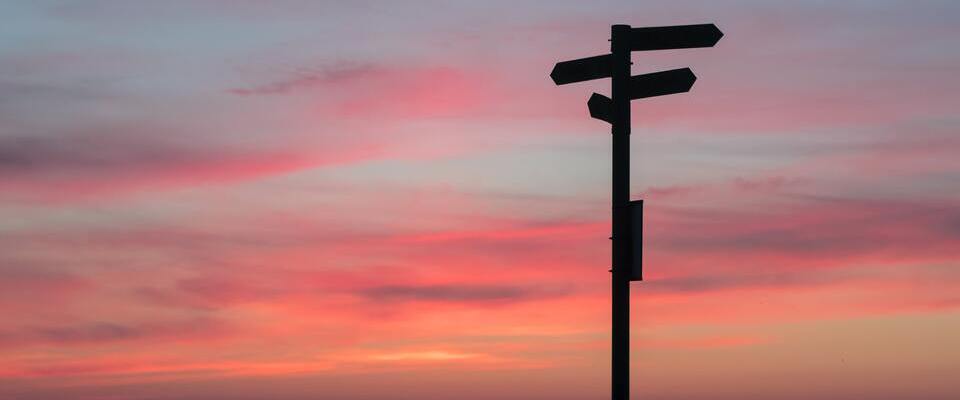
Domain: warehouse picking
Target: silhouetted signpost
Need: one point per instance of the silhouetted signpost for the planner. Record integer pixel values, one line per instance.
(628, 215)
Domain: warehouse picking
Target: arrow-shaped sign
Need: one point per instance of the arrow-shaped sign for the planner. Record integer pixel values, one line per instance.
(643, 86)
(661, 83)
(601, 107)
(674, 37)
(583, 69)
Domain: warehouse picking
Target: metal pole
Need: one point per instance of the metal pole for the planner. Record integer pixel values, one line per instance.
(621, 251)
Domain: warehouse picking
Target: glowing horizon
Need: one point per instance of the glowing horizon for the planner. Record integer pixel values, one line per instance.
(288, 200)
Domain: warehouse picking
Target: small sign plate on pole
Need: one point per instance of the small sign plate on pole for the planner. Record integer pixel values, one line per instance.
(636, 234)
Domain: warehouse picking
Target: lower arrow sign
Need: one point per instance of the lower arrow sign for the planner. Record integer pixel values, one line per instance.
(661, 83)
(601, 107)
(643, 86)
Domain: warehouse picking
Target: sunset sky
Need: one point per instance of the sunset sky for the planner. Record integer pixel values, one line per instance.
(212, 200)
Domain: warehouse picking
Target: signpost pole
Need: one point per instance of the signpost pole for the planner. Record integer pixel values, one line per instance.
(616, 111)
(621, 249)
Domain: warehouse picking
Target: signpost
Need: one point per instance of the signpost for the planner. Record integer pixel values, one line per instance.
(627, 216)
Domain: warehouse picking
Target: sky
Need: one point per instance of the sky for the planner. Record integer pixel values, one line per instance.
(291, 200)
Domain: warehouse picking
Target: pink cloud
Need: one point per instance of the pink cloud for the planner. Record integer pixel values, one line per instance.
(102, 333)
(704, 342)
(83, 168)
(313, 78)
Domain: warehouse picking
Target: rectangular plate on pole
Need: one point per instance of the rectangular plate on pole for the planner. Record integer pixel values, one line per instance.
(636, 234)
(582, 69)
(661, 83)
(674, 37)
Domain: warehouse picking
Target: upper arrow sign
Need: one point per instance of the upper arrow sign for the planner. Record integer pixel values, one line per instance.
(674, 37)
(661, 83)
(583, 69)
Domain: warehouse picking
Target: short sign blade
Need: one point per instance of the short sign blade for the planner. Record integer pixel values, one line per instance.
(661, 83)
(636, 235)
(674, 37)
(583, 69)
(601, 107)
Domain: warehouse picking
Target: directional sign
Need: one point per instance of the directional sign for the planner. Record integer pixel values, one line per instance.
(583, 69)
(601, 107)
(674, 37)
(661, 83)
(643, 86)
